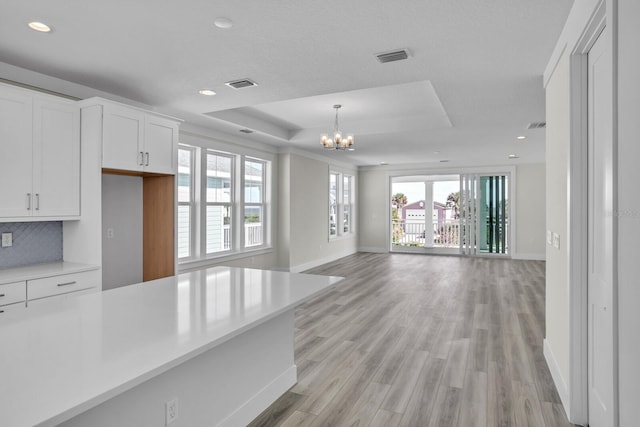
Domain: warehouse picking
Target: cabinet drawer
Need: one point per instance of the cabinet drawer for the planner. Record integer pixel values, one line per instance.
(13, 292)
(56, 299)
(11, 308)
(56, 285)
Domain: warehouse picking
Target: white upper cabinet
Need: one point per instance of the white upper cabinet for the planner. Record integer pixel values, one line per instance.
(39, 156)
(16, 152)
(123, 146)
(56, 160)
(135, 140)
(161, 144)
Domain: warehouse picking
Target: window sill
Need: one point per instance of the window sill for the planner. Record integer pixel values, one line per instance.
(197, 264)
(350, 235)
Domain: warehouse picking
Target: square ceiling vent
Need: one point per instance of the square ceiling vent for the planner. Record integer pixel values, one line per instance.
(241, 83)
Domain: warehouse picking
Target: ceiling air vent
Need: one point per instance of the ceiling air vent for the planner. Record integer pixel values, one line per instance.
(242, 83)
(396, 55)
(246, 131)
(537, 125)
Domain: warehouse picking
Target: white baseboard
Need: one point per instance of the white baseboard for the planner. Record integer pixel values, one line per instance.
(560, 383)
(373, 249)
(311, 264)
(531, 257)
(261, 400)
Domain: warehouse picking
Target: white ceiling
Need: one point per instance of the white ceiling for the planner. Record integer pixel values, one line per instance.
(472, 84)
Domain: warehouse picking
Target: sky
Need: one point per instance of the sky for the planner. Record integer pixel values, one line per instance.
(415, 190)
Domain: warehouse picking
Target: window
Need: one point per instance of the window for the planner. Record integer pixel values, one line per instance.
(333, 203)
(218, 200)
(340, 204)
(222, 203)
(254, 212)
(186, 201)
(346, 203)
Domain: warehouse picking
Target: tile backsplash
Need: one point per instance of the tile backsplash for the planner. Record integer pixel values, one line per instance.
(33, 243)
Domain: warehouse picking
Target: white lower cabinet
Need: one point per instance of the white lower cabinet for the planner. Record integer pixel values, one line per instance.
(58, 298)
(29, 286)
(4, 309)
(60, 285)
(11, 293)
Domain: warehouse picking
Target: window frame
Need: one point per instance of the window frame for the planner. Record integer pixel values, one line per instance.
(198, 220)
(205, 204)
(262, 204)
(340, 204)
(347, 179)
(192, 204)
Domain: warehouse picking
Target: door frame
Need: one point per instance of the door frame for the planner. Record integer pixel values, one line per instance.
(509, 170)
(577, 405)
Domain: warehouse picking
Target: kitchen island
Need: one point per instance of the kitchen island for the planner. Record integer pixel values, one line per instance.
(218, 342)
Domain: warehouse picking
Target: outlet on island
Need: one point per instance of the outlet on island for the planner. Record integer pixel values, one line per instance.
(171, 408)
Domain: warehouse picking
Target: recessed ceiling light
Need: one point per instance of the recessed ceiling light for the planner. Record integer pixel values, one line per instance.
(39, 26)
(436, 152)
(207, 92)
(351, 149)
(223, 23)
(521, 137)
(383, 163)
(513, 156)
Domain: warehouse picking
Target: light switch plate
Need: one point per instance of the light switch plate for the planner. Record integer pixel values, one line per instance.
(7, 240)
(556, 240)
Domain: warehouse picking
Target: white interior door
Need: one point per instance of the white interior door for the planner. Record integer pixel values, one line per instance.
(601, 239)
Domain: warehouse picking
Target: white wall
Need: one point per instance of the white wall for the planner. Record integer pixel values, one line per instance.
(557, 266)
(530, 209)
(309, 243)
(121, 212)
(623, 19)
(284, 209)
(374, 204)
(628, 80)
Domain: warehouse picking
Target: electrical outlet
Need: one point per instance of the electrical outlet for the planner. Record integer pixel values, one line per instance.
(7, 240)
(110, 233)
(171, 408)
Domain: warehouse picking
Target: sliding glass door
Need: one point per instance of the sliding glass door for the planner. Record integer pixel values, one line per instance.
(425, 214)
(484, 214)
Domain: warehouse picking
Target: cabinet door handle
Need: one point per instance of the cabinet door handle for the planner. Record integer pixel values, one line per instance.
(28, 201)
(141, 158)
(147, 162)
(67, 283)
(37, 201)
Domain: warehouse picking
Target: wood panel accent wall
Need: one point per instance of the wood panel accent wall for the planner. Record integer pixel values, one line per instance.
(158, 212)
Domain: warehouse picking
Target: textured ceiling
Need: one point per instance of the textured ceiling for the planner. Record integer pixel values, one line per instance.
(471, 85)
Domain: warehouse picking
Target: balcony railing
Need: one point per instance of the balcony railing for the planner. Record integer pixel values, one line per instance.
(252, 235)
(446, 233)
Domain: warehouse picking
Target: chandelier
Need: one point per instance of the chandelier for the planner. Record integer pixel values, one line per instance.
(337, 141)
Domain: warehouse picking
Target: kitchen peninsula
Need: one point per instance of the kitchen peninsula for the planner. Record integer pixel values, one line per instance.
(218, 342)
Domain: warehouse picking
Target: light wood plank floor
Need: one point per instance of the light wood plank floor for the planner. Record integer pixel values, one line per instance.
(415, 340)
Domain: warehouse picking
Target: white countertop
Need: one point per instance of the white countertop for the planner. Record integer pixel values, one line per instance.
(61, 358)
(38, 271)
